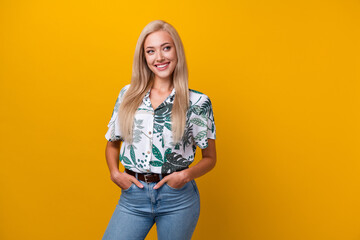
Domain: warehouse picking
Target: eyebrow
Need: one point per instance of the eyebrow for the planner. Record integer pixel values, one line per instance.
(160, 45)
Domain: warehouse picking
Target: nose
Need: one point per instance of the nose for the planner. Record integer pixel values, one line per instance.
(159, 57)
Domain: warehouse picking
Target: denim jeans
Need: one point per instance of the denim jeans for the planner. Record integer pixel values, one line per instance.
(175, 212)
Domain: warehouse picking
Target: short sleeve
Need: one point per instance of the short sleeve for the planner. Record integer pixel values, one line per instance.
(113, 133)
(203, 122)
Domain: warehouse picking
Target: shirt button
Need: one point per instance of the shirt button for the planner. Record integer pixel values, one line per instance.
(148, 152)
(150, 132)
(148, 170)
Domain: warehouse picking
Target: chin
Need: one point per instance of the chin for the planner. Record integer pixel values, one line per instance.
(164, 76)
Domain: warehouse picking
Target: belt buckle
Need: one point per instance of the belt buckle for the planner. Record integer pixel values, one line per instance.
(146, 175)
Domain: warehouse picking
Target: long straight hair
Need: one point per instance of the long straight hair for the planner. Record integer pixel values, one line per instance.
(142, 80)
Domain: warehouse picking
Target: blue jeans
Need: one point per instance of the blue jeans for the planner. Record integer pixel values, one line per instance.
(175, 212)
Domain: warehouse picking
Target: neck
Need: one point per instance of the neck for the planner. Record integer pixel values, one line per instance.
(163, 84)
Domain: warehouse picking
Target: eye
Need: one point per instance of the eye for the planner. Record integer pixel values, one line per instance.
(149, 51)
(167, 47)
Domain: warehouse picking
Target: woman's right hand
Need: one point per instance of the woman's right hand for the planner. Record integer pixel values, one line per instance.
(124, 180)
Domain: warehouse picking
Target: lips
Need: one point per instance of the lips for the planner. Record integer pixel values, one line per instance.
(162, 66)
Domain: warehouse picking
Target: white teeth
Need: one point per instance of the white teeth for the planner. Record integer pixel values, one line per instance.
(161, 66)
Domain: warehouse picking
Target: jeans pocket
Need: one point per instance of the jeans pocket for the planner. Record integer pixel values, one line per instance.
(131, 186)
(176, 189)
(195, 187)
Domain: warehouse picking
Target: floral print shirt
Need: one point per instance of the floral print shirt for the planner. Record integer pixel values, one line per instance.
(153, 150)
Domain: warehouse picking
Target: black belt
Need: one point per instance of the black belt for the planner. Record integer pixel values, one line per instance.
(147, 177)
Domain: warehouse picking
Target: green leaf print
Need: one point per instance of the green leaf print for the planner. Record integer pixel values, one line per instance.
(206, 108)
(137, 135)
(187, 138)
(158, 128)
(168, 126)
(168, 151)
(157, 153)
(112, 133)
(195, 91)
(132, 154)
(138, 121)
(199, 122)
(116, 108)
(156, 163)
(137, 132)
(118, 100)
(162, 115)
(122, 155)
(200, 135)
(193, 109)
(126, 160)
(196, 109)
(174, 162)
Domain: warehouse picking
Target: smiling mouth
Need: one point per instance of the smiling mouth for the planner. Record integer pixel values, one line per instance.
(162, 65)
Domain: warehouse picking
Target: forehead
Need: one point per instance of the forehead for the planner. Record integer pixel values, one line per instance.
(157, 38)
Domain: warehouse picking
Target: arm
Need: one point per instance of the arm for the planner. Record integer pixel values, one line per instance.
(207, 163)
(122, 179)
(112, 153)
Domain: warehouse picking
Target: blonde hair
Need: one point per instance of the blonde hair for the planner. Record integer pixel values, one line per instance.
(142, 80)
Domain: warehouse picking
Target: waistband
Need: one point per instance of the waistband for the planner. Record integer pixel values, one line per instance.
(148, 177)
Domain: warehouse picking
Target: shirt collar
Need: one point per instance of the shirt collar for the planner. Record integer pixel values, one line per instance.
(169, 99)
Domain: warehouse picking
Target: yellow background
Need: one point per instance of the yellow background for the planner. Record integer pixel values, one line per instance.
(283, 77)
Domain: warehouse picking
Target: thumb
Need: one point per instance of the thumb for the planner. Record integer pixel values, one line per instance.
(160, 183)
(137, 182)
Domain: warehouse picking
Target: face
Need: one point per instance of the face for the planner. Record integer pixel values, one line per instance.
(160, 54)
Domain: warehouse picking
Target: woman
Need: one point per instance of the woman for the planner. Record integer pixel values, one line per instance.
(159, 130)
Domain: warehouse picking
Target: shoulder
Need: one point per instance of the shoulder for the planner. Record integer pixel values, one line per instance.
(197, 97)
(123, 90)
(194, 91)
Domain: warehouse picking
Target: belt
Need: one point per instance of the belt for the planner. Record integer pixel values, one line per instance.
(146, 177)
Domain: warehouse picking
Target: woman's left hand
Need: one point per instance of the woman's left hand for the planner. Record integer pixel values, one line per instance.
(174, 180)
